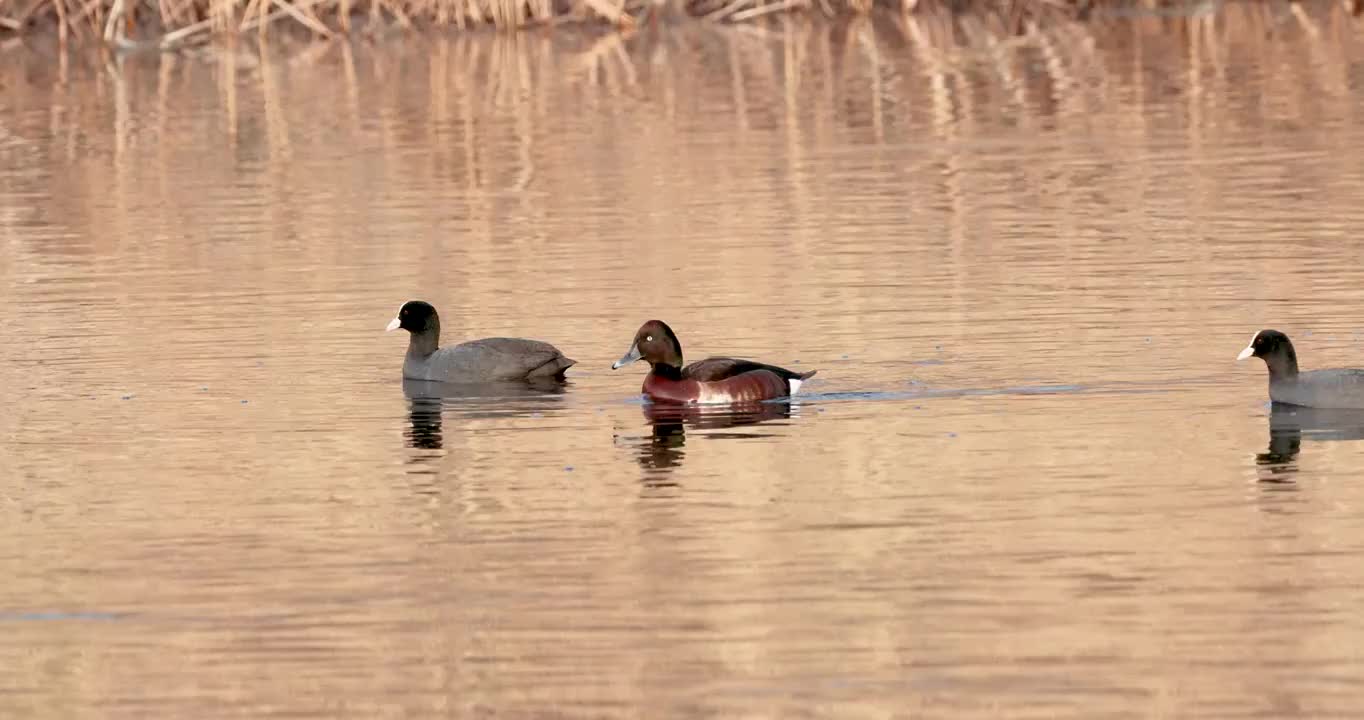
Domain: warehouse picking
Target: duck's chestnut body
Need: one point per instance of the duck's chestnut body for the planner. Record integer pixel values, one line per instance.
(714, 380)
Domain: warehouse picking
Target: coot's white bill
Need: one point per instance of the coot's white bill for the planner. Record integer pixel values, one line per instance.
(393, 324)
(1244, 353)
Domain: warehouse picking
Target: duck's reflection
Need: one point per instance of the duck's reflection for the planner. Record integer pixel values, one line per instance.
(1288, 424)
(427, 402)
(664, 449)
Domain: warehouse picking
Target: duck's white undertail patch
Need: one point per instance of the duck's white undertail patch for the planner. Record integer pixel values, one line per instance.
(795, 385)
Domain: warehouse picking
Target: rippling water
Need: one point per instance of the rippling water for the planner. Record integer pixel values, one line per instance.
(1029, 479)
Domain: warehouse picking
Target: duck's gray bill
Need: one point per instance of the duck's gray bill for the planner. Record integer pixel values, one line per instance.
(393, 324)
(629, 357)
(1245, 354)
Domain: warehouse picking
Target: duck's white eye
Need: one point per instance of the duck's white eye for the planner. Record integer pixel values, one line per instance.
(649, 338)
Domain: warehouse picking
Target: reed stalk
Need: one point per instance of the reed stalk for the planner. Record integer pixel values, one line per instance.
(168, 24)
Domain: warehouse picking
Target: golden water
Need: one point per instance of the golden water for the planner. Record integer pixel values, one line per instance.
(1029, 479)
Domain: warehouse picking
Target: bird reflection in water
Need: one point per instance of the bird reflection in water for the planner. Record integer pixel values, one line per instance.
(427, 402)
(1288, 424)
(425, 423)
(663, 449)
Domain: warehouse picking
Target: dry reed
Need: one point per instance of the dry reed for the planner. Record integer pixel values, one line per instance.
(165, 24)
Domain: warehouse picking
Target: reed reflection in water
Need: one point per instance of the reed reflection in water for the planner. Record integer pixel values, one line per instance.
(1028, 481)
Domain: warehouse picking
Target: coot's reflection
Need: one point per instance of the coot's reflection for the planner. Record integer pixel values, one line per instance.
(1288, 424)
(429, 400)
(425, 426)
(664, 449)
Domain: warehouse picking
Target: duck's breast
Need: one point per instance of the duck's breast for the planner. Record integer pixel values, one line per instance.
(661, 389)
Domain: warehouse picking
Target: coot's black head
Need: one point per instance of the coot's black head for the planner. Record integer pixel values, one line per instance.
(1267, 343)
(415, 317)
(1274, 348)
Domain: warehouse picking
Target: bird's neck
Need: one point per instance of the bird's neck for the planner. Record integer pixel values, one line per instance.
(667, 371)
(1283, 365)
(424, 343)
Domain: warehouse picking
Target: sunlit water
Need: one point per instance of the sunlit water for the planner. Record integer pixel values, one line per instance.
(1029, 479)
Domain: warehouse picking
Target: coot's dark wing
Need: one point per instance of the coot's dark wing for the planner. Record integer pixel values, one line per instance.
(715, 369)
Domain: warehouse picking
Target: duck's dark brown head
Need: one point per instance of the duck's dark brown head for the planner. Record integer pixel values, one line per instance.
(656, 343)
(1275, 349)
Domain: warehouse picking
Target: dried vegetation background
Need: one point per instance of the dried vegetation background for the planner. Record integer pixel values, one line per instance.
(168, 24)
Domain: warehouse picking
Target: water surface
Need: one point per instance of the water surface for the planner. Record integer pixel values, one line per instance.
(1029, 479)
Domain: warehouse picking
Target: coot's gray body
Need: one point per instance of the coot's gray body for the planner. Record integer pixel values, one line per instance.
(487, 360)
(477, 361)
(1336, 388)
